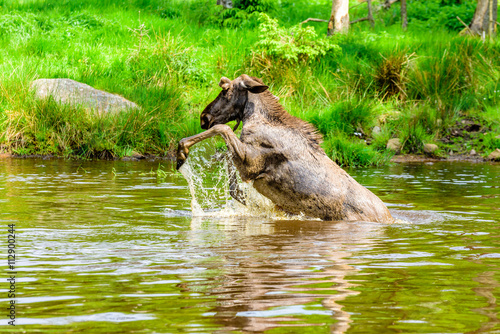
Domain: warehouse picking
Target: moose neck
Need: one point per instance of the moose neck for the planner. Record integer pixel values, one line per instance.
(258, 108)
(264, 108)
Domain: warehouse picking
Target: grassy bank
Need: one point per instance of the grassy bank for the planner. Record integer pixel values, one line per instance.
(426, 85)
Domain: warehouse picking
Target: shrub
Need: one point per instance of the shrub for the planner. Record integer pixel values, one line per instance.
(294, 44)
(205, 12)
(391, 75)
(251, 6)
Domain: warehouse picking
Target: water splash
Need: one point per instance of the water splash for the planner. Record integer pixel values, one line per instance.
(208, 173)
(193, 180)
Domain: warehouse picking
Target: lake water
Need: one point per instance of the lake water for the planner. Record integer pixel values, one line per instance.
(107, 247)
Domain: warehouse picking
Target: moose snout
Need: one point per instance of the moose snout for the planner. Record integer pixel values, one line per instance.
(206, 121)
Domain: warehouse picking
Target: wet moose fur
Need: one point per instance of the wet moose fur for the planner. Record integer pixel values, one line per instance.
(281, 154)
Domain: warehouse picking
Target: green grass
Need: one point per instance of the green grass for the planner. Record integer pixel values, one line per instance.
(348, 151)
(168, 56)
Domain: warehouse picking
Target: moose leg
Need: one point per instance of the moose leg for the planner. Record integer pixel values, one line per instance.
(235, 146)
(234, 188)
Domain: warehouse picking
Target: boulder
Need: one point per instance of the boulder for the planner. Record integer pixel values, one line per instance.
(74, 93)
(225, 3)
(394, 144)
(430, 148)
(495, 155)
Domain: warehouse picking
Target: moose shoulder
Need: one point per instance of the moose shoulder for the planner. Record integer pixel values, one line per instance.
(282, 155)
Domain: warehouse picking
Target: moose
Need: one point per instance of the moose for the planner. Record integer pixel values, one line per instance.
(282, 156)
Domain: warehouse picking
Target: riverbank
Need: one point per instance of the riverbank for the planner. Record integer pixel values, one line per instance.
(399, 159)
(133, 157)
(359, 90)
(412, 158)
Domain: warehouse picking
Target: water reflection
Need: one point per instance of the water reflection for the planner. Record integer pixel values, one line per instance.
(277, 272)
(487, 290)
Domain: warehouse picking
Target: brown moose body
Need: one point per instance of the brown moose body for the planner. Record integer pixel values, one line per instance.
(281, 154)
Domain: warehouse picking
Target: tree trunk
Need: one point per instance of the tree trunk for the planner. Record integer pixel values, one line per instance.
(388, 3)
(404, 15)
(225, 3)
(485, 17)
(370, 14)
(339, 19)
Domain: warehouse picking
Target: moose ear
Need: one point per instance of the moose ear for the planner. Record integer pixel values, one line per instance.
(253, 86)
(225, 83)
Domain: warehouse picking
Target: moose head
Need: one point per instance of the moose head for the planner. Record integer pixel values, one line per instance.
(230, 103)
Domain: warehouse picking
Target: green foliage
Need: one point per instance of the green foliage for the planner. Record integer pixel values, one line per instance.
(158, 57)
(342, 124)
(347, 151)
(380, 139)
(417, 126)
(451, 79)
(205, 13)
(46, 127)
(430, 15)
(291, 12)
(251, 6)
(413, 137)
(391, 75)
(490, 117)
(491, 141)
(348, 117)
(294, 44)
(147, 72)
(168, 55)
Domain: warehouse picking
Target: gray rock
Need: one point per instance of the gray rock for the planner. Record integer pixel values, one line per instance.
(430, 148)
(495, 155)
(376, 130)
(74, 93)
(134, 156)
(225, 3)
(473, 152)
(394, 144)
